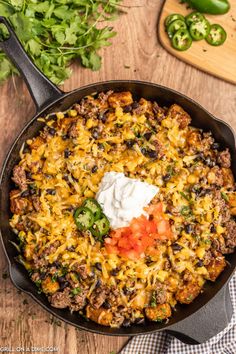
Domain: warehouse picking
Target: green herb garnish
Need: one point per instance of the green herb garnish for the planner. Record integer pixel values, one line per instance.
(56, 32)
(153, 301)
(76, 291)
(224, 196)
(186, 211)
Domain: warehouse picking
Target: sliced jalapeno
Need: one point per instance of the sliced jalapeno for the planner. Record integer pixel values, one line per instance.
(83, 218)
(217, 35)
(175, 26)
(95, 208)
(181, 40)
(199, 30)
(171, 18)
(194, 17)
(100, 227)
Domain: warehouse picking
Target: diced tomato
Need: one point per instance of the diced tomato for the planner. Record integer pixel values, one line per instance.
(141, 235)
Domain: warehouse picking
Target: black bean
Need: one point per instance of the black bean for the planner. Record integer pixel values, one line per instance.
(139, 320)
(98, 283)
(65, 137)
(144, 151)
(56, 264)
(64, 285)
(67, 153)
(215, 146)
(209, 162)
(102, 117)
(204, 191)
(147, 136)
(152, 154)
(176, 247)
(127, 109)
(135, 105)
(100, 146)
(200, 263)
(95, 134)
(28, 175)
(94, 169)
(43, 275)
(127, 291)
(98, 266)
(52, 131)
(26, 193)
(166, 177)
(106, 305)
(71, 248)
(61, 279)
(51, 191)
(213, 228)
(188, 228)
(126, 323)
(66, 178)
(130, 143)
(114, 271)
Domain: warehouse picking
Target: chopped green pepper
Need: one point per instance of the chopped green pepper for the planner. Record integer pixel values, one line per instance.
(217, 35)
(84, 218)
(95, 208)
(175, 26)
(199, 30)
(172, 18)
(214, 7)
(100, 227)
(193, 18)
(182, 40)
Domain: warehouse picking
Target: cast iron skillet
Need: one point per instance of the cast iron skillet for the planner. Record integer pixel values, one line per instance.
(192, 324)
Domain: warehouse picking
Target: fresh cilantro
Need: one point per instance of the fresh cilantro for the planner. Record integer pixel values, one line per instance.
(224, 196)
(186, 211)
(76, 291)
(153, 301)
(54, 33)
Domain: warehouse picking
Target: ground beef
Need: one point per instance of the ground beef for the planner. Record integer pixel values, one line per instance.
(219, 181)
(230, 235)
(36, 202)
(99, 296)
(19, 205)
(81, 269)
(87, 108)
(79, 301)
(103, 97)
(73, 131)
(161, 293)
(207, 258)
(159, 112)
(177, 112)
(224, 158)
(52, 248)
(61, 300)
(19, 177)
(113, 296)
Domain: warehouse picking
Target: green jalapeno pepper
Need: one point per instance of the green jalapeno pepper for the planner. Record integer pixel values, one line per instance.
(194, 17)
(100, 227)
(175, 26)
(199, 30)
(214, 7)
(172, 18)
(84, 218)
(182, 40)
(216, 36)
(95, 208)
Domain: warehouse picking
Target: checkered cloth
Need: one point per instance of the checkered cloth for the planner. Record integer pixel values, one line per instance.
(163, 343)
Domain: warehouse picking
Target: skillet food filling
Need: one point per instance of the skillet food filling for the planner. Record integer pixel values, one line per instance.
(139, 269)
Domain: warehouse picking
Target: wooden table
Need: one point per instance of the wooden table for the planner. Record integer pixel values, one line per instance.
(135, 54)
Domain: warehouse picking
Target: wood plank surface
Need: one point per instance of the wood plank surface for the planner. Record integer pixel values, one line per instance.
(218, 61)
(135, 54)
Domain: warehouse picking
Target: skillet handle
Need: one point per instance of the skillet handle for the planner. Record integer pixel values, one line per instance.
(42, 90)
(207, 322)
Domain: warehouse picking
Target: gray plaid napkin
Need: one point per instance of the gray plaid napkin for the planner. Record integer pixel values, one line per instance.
(163, 343)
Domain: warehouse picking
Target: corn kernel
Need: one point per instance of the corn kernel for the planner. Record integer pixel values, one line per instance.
(191, 179)
(220, 229)
(89, 123)
(60, 115)
(73, 113)
(200, 252)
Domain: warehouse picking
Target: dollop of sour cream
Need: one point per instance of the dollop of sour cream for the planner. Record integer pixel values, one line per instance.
(123, 198)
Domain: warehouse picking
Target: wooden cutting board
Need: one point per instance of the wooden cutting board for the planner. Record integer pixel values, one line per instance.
(218, 61)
